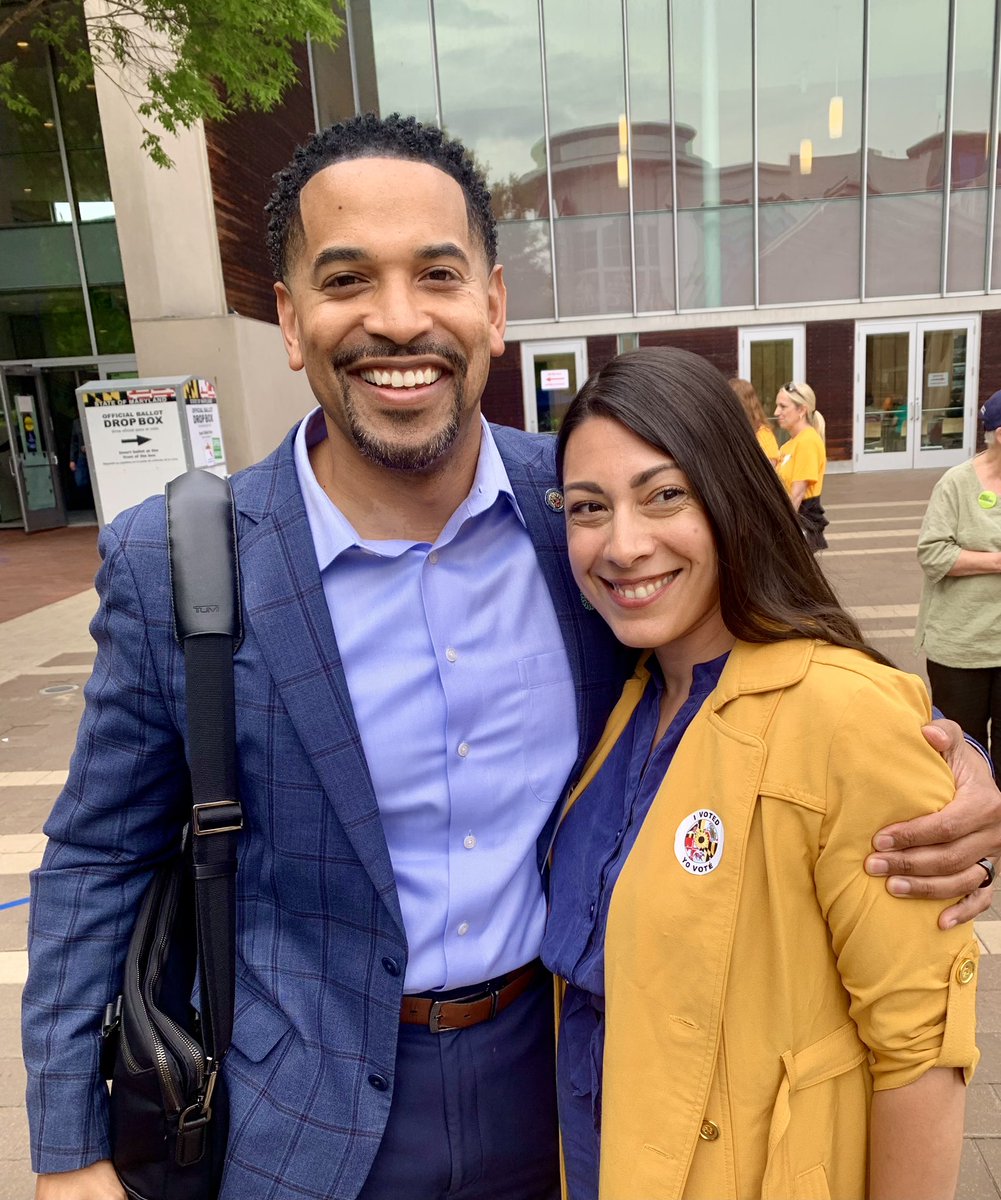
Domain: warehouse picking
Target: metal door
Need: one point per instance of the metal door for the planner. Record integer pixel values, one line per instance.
(31, 453)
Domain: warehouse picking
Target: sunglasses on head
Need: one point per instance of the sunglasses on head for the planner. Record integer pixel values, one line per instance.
(791, 388)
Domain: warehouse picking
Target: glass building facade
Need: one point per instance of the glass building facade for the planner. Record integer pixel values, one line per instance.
(672, 156)
(62, 289)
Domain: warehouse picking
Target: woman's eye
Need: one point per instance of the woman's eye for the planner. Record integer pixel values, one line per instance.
(585, 508)
(671, 495)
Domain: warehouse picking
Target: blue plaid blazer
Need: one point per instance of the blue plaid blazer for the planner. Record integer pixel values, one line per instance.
(322, 948)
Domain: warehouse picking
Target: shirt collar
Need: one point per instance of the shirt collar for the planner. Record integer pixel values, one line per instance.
(333, 533)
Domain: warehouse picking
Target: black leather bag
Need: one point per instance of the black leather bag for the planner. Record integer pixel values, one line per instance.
(168, 1105)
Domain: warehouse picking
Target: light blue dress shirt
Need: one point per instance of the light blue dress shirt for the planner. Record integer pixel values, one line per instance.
(464, 700)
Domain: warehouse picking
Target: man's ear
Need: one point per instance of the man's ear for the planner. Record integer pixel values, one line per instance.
(288, 323)
(497, 302)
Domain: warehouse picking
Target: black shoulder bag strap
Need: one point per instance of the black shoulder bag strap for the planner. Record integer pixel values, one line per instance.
(205, 581)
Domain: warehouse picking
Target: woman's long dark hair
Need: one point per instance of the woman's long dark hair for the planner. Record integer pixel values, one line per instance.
(771, 588)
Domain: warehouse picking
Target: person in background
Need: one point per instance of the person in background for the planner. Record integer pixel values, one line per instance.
(746, 1012)
(745, 392)
(959, 622)
(803, 458)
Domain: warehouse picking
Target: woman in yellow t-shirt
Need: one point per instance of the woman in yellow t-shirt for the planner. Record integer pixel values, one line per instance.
(745, 392)
(803, 458)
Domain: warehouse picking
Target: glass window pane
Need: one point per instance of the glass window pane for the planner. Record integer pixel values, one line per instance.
(497, 114)
(943, 390)
(650, 148)
(810, 150)
(392, 44)
(971, 121)
(771, 369)
(587, 107)
(909, 42)
(37, 256)
(712, 66)
(887, 358)
(43, 324)
(110, 310)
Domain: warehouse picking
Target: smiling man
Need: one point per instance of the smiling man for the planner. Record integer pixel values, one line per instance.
(418, 680)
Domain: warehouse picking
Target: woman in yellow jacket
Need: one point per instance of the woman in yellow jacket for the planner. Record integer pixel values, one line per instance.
(747, 1014)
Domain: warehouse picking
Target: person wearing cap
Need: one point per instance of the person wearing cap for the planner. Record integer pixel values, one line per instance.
(803, 458)
(959, 622)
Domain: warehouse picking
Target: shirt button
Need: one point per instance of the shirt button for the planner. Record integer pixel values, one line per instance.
(451, 655)
(469, 841)
(463, 929)
(379, 1082)
(709, 1131)
(433, 557)
(463, 749)
(392, 967)
(966, 971)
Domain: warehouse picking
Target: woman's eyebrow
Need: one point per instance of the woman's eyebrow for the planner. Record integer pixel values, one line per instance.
(645, 476)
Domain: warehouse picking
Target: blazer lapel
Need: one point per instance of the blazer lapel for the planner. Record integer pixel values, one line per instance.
(287, 611)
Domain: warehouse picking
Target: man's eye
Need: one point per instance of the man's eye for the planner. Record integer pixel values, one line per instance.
(441, 275)
(344, 280)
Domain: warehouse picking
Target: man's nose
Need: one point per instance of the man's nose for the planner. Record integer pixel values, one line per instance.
(398, 313)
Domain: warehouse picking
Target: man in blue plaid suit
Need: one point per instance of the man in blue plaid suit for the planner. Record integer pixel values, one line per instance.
(418, 680)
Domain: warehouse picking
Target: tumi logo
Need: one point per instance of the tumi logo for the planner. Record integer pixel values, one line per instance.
(205, 608)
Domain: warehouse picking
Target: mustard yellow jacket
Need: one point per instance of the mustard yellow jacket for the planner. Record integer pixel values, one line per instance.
(751, 1009)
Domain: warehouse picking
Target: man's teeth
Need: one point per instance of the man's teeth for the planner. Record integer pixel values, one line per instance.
(402, 379)
(640, 591)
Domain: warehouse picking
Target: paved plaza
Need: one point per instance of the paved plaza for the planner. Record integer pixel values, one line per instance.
(46, 656)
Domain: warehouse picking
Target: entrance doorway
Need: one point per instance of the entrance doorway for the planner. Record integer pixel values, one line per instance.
(551, 373)
(915, 392)
(44, 473)
(28, 448)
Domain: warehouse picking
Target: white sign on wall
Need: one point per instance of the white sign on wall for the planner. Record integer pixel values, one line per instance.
(554, 381)
(938, 379)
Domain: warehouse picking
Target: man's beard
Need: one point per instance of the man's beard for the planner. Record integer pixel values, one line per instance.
(423, 457)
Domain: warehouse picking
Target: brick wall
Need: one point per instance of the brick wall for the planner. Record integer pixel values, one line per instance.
(719, 346)
(502, 397)
(990, 355)
(830, 351)
(244, 152)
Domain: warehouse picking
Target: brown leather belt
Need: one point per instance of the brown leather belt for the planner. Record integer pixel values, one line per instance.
(462, 1012)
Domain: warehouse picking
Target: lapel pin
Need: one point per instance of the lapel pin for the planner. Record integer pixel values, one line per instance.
(554, 498)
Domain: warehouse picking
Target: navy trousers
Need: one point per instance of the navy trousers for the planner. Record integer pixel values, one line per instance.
(474, 1111)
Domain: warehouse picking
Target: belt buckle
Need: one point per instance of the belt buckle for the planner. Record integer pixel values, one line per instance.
(434, 1017)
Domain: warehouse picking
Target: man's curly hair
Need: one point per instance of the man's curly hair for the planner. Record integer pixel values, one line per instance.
(370, 136)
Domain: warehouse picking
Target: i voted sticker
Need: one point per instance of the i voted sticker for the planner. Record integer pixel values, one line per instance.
(698, 844)
(987, 499)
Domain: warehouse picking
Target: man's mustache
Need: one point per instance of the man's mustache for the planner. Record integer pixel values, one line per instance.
(341, 360)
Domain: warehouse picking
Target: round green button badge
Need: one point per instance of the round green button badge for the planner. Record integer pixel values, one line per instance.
(987, 499)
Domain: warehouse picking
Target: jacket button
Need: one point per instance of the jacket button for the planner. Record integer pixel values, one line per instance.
(379, 1082)
(391, 965)
(966, 970)
(709, 1131)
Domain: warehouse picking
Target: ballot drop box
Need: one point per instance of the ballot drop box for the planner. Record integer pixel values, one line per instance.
(141, 433)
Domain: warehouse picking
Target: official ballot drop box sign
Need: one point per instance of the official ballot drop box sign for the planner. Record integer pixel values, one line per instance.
(141, 433)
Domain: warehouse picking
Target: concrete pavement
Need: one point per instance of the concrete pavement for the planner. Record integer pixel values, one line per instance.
(46, 656)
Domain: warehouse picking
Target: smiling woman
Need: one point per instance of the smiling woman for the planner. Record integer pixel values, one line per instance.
(732, 1023)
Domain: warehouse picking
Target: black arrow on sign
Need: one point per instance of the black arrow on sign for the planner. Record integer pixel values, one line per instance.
(138, 439)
